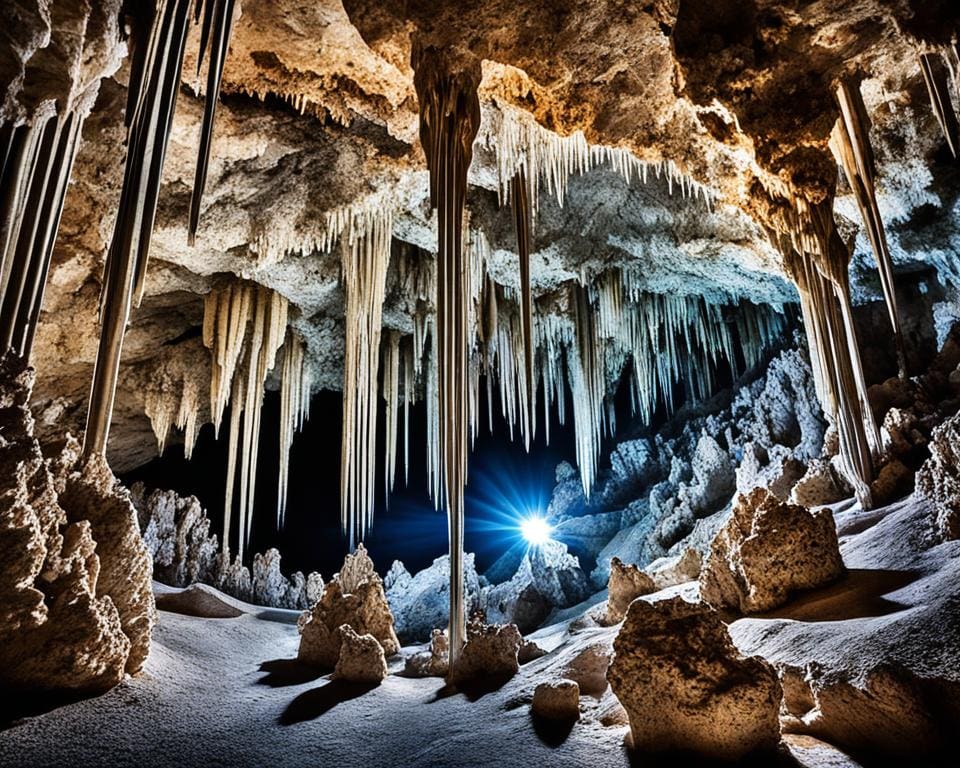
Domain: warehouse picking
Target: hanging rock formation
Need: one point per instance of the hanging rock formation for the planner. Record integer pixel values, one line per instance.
(686, 687)
(768, 550)
(78, 608)
(353, 597)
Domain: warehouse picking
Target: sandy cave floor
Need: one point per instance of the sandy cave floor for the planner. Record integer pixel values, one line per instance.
(229, 691)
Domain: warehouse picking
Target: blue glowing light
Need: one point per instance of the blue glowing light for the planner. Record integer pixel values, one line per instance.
(536, 530)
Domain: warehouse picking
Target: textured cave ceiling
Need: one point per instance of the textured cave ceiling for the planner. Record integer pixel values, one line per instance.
(319, 114)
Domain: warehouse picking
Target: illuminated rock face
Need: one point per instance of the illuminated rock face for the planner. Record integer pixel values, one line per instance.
(77, 602)
(939, 479)
(767, 551)
(686, 688)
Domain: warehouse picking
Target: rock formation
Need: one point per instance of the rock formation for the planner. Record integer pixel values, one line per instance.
(768, 550)
(678, 569)
(77, 604)
(627, 583)
(176, 530)
(361, 658)
(939, 479)
(434, 662)
(558, 700)
(489, 654)
(686, 688)
(353, 597)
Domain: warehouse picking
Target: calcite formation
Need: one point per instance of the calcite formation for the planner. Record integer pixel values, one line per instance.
(489, 654)
(78, 606)
(557, 700)
(176, 531)
(361, 658)
(627, 583)
(767, 551)
(939, 479)
(353, 597)
(686, 688)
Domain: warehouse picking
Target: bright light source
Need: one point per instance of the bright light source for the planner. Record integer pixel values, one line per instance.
(536, 530)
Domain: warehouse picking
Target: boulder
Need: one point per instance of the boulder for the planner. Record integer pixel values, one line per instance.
(557, 700)
(685, 686)
(767, 550)
(823, 483)
(490, 652)
(354, 597)
(361, 658)
(627, 583)
(938, 480)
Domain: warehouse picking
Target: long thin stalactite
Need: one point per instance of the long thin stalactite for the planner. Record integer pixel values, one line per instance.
(449, 121)
(850, 143)
(520, 199)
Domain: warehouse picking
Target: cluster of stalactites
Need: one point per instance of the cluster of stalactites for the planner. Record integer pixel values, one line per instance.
(295, 383)
(365, 258)
(818, 261)
(850, 144)
(668, 339)
(244, 327)
(549, 159)
(36, 162)
(941, 73)
(159, 40)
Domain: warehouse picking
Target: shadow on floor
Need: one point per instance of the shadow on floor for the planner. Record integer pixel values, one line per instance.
(318, 701)
(552, 732)
(16, 706)
(473, 690)
(857, 595)
(284, 672)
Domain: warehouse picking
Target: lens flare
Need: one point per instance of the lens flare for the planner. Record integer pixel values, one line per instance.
(536, 530)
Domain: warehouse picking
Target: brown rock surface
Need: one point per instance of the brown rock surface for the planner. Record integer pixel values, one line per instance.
(361, 658)
(686, 687)
(75, 589)
(627, 583)
(353, 597)
(557, 700)
(767, 550)
(489, 653)
(938, 480)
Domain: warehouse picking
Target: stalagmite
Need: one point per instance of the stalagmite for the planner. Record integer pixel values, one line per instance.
(519, 195)
(365, 257)
(850, 143)
(294, 410)
(935, 75)
(449, 120)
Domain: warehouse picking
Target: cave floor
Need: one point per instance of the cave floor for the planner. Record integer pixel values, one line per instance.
(229, 691)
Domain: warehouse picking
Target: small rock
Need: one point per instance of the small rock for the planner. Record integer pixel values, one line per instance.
(490, 652)
(361, 658)
(558, 700)
(627, 583)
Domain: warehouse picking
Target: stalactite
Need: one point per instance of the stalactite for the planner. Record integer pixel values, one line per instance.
(37, 162)
(817, 260)
(391, 394)
(365, 257)
(244, 327)
(449, 120)
(850, 143)
(217, 24)
(586, 370)
(294, 409)
(938, 87)
(126, 265)
(519, 141)
(519, 195)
